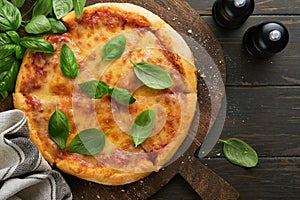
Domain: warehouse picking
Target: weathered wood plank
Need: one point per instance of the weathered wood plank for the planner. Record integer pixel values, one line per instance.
(177, 188)
(273, 178)
(242, 69)
(261, 6)
(268, 118)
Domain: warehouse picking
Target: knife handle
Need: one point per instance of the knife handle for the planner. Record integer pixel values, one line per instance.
(205, 182)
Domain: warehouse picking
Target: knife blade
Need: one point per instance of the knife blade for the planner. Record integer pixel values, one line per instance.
(215, 130)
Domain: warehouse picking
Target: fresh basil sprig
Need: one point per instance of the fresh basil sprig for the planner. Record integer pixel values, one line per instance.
(152, 75)
(18, 3)
(142, 127)
(7, 46)
(94, 89)
(239, 152)
(78, 7)
(42, 7)
(10, 17)
(97, 89)
(68, 62)
(11, 43)
(14, 36)
(20, 51)
(7, 50)
(9, 68)
(121, 95)
(37, 44)
(58, 128)
(57, 26)
(61, 8)
(37, 25)
(88, 142)
(114, 48)
(5, 39)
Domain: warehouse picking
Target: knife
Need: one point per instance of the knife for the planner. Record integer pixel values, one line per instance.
(215, 130)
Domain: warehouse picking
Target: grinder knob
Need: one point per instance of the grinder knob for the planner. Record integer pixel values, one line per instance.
(231, 14)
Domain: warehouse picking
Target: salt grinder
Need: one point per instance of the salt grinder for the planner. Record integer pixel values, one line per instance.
(266, 39)
(231, 14)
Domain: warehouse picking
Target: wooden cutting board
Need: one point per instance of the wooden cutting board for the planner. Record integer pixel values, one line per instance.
(206, 183)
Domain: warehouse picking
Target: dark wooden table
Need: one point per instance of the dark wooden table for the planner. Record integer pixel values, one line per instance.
(263, 108)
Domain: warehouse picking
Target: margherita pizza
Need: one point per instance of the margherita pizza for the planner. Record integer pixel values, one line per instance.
(42, 88)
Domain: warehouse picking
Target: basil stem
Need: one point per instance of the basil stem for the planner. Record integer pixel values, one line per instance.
(114, 48)
(152, 75)
(68, 62)
(58, 128)
(239, 152)
(88, 142)
(142, 127)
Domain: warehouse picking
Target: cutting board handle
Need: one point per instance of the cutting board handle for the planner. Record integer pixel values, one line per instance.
(207, 183)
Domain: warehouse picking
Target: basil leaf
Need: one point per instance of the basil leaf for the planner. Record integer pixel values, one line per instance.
(37, 44)
(68, 62)
(239, 152)
(122, 96)
(142, 127)
(58, 128)
(38, 24)
(8, 74)
(114, 48)
(14, 36)
(10, 17)
(6, 63)
(94, 89)
(5, 39)
(61, 8)
(42, 7)
(18, 3)
(78, 7)
(6, 50)
(20, 51)
(88, 142)
(57, 26)
(152, 75)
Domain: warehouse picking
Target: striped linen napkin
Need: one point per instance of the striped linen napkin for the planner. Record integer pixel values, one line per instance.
(24, 174)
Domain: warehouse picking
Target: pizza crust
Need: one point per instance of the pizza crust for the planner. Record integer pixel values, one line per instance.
(33, 93)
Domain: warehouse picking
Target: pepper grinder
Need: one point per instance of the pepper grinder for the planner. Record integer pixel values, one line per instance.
(266, 39)
(232, 14)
